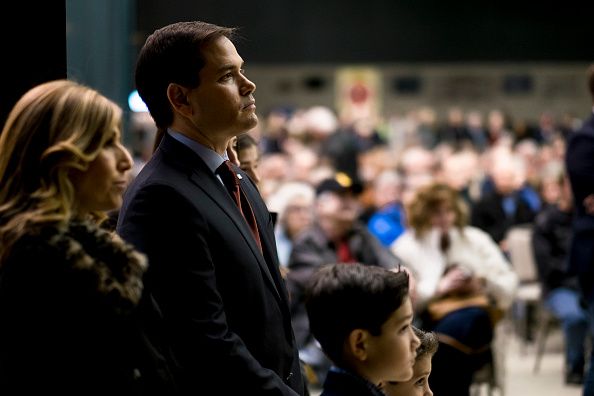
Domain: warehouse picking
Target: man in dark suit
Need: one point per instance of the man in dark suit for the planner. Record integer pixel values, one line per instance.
(504, 207)
(215, 309)
(579, 160)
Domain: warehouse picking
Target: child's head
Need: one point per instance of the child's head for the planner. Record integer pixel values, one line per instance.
(418, 385)
(361, 315)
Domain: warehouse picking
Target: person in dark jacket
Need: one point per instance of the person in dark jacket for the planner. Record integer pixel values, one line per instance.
(505, 206)
(579, 161)
(215, 309)
(550, 243)
(68, 289)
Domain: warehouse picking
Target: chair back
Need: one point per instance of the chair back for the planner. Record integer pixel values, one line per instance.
(521, 255)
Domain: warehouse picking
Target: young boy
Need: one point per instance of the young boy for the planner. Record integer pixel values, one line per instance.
(361, 316)
(418, 385)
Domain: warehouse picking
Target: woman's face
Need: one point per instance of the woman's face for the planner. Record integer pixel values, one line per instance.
(443, 218)
(249, 159)
(101, 186)
(298, 215)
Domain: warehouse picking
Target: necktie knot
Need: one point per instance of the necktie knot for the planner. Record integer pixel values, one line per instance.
(231, 181)
(226, 172)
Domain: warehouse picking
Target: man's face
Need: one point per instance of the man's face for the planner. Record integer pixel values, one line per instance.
(223, 104)
(505, 181)
(336, 213)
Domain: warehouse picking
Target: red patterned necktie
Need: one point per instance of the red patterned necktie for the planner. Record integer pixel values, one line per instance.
(231, 181)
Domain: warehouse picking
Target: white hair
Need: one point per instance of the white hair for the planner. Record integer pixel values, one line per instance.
(287, 192)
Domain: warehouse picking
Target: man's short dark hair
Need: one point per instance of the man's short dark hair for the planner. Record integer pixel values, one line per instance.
(173, 54)
(343, 297)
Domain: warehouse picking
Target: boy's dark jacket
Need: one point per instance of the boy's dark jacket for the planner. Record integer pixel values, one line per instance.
(341, 383)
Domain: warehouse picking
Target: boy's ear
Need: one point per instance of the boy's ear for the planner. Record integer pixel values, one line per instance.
(357, 344)
(178, 97)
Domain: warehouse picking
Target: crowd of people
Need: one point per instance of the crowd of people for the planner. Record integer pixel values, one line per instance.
(307, 250)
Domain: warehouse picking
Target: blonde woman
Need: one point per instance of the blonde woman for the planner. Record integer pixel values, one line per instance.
(449, 258)
(67, 287)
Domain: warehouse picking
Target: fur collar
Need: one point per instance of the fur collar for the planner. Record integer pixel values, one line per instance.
(113, 266)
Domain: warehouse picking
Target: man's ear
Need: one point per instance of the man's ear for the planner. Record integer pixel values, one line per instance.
(357, 344)
(178, 97)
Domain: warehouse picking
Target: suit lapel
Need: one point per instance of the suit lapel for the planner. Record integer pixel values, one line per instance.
(206, 181)
(266, 235)
(216, 191)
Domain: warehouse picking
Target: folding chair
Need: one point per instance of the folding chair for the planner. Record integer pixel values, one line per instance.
(519, 242)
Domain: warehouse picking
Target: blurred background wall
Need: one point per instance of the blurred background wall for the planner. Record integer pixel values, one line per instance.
(521, 57)
(34, 48)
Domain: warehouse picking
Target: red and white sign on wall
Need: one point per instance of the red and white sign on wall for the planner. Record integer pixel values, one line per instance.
(358, 93)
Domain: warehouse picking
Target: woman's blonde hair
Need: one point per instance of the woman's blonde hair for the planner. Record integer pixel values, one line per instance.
(428, 200)
(54, 129)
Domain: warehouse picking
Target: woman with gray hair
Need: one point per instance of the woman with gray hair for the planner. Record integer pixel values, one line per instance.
(293, 204)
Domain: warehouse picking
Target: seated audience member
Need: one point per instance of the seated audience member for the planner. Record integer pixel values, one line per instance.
(497, 132)
(418, 385)
(508, 204)
(551, 183)
(454, 132)
(461, 172)
(293, 204)
(550, 243)
(334, 237)
(452, 261)
(362, 318)
(388, 220)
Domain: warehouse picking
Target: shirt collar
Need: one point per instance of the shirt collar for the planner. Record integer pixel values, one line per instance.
(212, 159)
(373, 389)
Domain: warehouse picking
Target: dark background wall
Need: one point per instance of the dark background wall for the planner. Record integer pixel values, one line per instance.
(34, 48)
(101, 47)
(349, 31)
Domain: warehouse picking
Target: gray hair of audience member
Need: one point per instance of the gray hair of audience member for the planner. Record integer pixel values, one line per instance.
(280, 199)
(554, 170)
(387, 187)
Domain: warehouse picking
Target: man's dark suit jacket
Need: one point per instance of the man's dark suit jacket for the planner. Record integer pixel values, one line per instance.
(488, 215)
(215, 309)
(579, 160)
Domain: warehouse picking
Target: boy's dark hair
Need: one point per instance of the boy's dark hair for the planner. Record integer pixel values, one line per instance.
(343, 297)
(429, 343)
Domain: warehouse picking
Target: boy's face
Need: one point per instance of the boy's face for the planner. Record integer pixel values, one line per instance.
(418, 385)
(391, 355)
